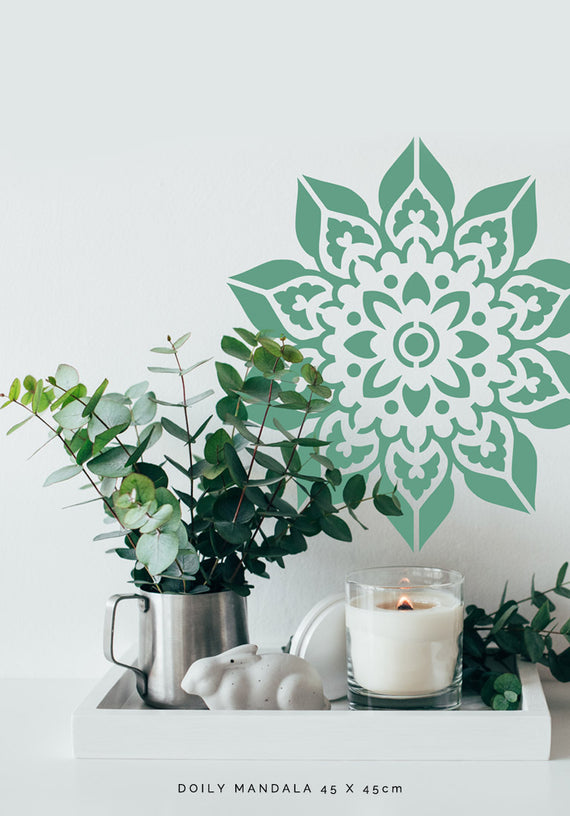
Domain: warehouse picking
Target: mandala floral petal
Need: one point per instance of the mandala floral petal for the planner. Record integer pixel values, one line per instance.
(334, 226)
(498, 462)
(424, 484)
(416, 196)
(540, 300)
(354, 453)
(540, 388)
(499, 227)
(286, 297)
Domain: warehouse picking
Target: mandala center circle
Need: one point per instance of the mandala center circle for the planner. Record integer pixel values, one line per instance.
(416, 344)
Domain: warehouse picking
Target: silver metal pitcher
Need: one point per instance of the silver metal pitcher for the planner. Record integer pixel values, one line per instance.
(174, 631)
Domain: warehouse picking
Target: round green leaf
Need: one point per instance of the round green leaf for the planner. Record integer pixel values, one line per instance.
(229, 406)
(164, 496)
(110, 413)
(144, 409)
(214, 447)
(71, 416)
(66, 376)
(137, 390)
(155, 473)
(112, 462)
(158, 519)
(139, 487)
(508, 682)
(227, 504)
(157, 551)
(292, 354)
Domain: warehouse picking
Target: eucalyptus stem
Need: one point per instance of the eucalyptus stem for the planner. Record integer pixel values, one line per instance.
(88, 477)
(178, 564)
(97, 417)
(187, 422)
(276, 490)
(530, 597)
(256, 446)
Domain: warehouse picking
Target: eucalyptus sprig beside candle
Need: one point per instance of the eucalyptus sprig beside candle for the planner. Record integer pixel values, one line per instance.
(491, 642)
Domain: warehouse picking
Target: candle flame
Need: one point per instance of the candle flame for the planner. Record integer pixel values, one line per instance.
(404, 603)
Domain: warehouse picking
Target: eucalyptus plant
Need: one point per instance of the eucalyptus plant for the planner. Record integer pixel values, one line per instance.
(492, 640)
(227, 516)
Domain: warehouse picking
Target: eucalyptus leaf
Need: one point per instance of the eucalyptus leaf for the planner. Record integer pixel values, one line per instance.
(234, 348)
(561, 574)
(241, 426)
(113, 534)
(163, 370)
(534, 644)
(124, 552)
(155, 473)
(144, 409)
(542, 618)
(228, 378)
(136, 516)
(158, 519)
(157, 551)
(311, 375)
(17, 425)
(192, 367)
(137, 390)
(269, 345)
(138, 451)
(267, 461)
(235, 467)
(292, 354)
(354, 490)
(14, 391)
(181, 340)
(175, 430)
(62, 475)
(109, 414)
(388, 505)
(139, 487)
(113, 462)
(335, 527)
(71, 416)
(66, 376)
(248, 336)
(94, 400)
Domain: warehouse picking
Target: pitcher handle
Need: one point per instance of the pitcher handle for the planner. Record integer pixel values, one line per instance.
(109, 635)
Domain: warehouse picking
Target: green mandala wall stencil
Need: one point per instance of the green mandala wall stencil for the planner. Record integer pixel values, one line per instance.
(432, 329)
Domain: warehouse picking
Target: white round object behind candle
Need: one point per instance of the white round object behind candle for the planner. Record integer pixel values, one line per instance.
(403, 652)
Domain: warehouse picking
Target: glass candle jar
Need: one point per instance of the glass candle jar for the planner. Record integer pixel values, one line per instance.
(404, 628)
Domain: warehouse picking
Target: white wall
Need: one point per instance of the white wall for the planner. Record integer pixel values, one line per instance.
(150, 150)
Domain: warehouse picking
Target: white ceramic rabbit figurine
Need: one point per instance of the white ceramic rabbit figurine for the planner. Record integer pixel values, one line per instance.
(243, 679)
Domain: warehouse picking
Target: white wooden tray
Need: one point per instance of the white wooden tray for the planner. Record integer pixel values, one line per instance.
(114, 723)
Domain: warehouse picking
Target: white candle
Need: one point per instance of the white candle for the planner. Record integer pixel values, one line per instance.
(400, 652)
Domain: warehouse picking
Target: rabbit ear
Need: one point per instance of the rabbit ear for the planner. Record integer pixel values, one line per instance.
(242, 651)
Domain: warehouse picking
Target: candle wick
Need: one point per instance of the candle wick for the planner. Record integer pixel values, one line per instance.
(405, 605)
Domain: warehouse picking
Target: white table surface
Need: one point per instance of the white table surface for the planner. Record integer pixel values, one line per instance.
(38, 774)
